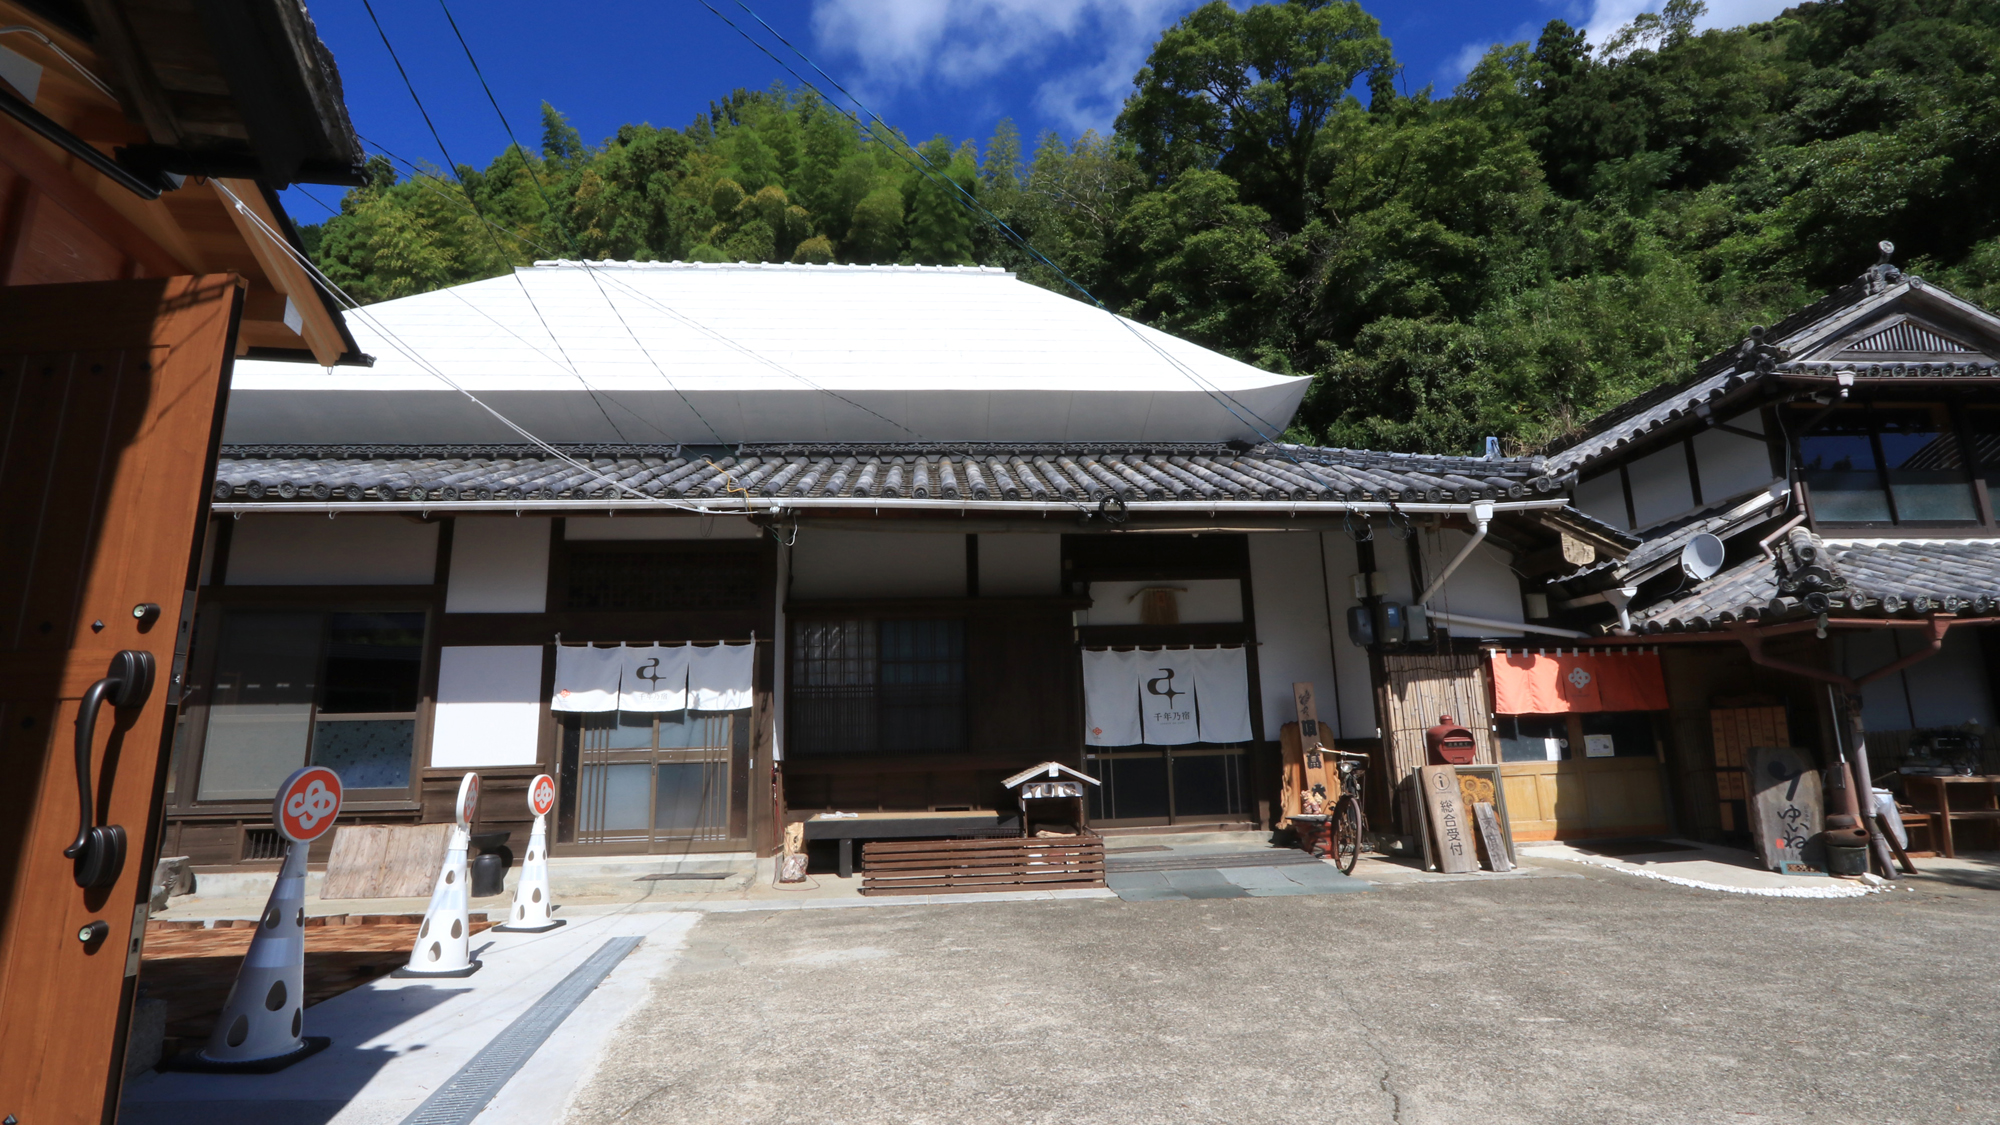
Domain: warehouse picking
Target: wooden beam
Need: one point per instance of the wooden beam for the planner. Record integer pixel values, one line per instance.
(35, 159)
(140, 88)
(322, 336)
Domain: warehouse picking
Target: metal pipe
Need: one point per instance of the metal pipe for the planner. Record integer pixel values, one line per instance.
(76, 146)
(1512, 626)
(1482, 514)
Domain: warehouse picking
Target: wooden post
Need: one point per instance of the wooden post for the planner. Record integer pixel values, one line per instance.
(1864, 781)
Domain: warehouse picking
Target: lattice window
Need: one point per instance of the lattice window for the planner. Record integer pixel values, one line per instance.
(659, 581)
(861, 686)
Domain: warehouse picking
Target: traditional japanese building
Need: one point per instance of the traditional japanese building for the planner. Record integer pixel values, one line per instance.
(924, 499)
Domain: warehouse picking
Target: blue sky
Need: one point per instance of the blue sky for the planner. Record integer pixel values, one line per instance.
(928, 66)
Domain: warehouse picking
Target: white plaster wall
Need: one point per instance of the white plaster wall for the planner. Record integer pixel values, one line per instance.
(498, 565)
(1025, 565)
(1660, 486)
(296, 549)
(1294, 641)
(1945, 690)
(489, 706)
(1482, 586)
(877, 564)
(660, 527)
(1731, 464)
(1207, 601)
(1602, 497)
(1350, 661)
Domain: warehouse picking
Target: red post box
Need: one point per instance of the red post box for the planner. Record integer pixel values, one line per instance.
(1450, 744)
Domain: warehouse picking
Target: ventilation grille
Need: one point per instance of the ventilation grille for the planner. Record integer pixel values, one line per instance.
(262, 843)
(1907, 336)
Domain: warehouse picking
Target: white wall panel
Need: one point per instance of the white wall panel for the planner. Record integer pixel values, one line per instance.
(1292, 628)
(1204, 601)
(1952, 687)
(489, 706)
(296, 549)
(877, 564)
(1020, 566)
(1602, 497)
(499, 565)
(1660, 485)
(1482, 586)
(1731, 464)
(1357, 687)
(659, 527)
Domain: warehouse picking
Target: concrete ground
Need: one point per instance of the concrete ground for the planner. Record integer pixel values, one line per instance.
(1596, 997)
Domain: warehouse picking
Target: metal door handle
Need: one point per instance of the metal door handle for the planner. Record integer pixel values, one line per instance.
(99, 849)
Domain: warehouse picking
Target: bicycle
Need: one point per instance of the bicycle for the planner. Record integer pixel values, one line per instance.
(1349, 825)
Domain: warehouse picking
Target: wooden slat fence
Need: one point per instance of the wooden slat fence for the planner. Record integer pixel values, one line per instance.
(1416, 689)
(920, 867)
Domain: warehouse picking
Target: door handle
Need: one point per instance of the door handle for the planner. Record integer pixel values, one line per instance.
(99, 849)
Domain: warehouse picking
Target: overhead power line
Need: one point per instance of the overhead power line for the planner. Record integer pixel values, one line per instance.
(954, 191)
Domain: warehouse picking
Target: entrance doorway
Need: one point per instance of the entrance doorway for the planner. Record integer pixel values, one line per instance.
(1164, 785)
(637, 783)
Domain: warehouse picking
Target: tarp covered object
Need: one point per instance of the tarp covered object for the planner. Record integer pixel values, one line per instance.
(1535, 683)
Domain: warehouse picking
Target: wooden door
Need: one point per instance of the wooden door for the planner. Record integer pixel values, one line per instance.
(113, 397)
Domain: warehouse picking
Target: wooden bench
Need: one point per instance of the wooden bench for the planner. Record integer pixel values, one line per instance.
(922, 867)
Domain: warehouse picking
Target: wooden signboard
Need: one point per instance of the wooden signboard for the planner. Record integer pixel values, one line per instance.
(1321, 783)
(1450, 825)
(1489, 836)
(1786, 809)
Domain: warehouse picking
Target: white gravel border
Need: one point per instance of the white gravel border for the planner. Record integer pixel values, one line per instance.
(1840, 890)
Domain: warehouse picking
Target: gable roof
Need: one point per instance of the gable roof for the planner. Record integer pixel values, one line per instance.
(672, 352)
(1886, 326)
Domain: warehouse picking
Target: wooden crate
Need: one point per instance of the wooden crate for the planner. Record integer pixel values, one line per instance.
(922, 867)
(1736, 730)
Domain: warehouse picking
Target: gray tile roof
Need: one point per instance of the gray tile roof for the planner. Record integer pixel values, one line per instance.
(1844, 577)
(1757, 359)
(955, 475)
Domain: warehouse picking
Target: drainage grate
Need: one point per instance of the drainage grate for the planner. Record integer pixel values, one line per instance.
(462, 1098)
(1275, 857)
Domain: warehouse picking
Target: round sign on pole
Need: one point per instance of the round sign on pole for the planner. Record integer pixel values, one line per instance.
(468, 800)
(541, 794)
(306, 804)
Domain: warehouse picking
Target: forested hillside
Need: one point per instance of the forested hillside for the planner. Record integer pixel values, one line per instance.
(1575, 223)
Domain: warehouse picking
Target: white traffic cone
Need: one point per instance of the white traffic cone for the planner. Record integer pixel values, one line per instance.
(259, 1027)
(531, 894)
(444, 941)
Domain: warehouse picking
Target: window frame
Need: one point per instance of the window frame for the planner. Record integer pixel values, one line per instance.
(1955, 417)
(193, 716)
(874, 617)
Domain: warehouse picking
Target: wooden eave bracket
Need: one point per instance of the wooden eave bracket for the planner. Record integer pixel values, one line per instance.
(287, 276)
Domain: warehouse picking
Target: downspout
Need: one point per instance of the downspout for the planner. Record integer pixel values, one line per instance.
(1753, 642)
(1482, 515)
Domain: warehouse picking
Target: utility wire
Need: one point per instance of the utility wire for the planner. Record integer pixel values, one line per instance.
(594, 271)
(452, 165)
(562, 227)
(360, 310)
(966, 199)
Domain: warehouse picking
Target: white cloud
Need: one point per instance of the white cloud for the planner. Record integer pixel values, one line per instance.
(1607, 16)
(911, 45)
